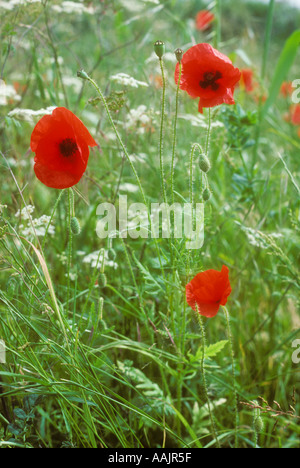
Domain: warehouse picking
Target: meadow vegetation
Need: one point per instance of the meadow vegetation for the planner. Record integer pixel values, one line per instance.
(102, 348)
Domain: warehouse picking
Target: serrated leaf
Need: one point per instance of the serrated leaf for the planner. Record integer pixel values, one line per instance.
(214, 349)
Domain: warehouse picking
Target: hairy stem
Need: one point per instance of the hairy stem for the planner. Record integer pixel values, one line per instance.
(203, 373)
(233, 377)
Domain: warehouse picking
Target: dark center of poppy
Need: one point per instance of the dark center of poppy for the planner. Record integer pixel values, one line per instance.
(209, 80)
(68, 147)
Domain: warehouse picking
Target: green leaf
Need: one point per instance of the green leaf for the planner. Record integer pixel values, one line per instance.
(210, 351)
(214, 349)
(20, 414)
(14, 429)
(284, 63)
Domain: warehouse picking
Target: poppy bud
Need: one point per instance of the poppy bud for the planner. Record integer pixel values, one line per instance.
(75, 226)
(178, 54)
(159, 48)
(111, 254)
(258, 424)
(102, 281)
(82, 74)
(206, 194)
(204, 163)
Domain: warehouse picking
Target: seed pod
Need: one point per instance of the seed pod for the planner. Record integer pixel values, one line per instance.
(82, 74)
(75, 226)
(204, 163)
(159, 48)
(111, 254)
(178, 54)
(206, 194)
(102, 281)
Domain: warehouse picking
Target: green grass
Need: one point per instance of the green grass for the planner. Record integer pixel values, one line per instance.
(122, 365)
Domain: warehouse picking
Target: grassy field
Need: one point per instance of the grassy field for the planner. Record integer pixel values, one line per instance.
(99, 347)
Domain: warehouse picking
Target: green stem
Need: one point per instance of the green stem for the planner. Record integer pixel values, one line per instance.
(233, 377)
(203, 373)
(51, 218)
(70, 205)
(208, 135)
(116, 133)
(85, 76)
(175, 133)
(161, 137)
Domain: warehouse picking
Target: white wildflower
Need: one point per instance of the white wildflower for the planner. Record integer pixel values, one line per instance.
(127, 187)
(7, 92)
(138, 5)
(199, 121)
(168, 57)
(62, 258)
(126, 80)
(18, 163)
(110, 136)
(29, 114)
(73, 7)
(95, 260)
(52, 61)
(25, 213)
(140, 157)
(11, 4)
(138, 120)
(260, 239)
(33, 226)
(72, 276)
(73, 82)
(38, 227)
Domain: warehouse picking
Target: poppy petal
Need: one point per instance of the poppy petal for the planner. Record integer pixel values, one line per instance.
(209, 75)
(55, 179)
(61, 145)
(79, 129)
(208, 290)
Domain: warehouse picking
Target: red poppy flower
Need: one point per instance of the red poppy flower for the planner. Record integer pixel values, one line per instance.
(208, 290)
(295, 114)
(209, 75)
(204, 18)
(61, 143)
(286, 89)
(246, 80)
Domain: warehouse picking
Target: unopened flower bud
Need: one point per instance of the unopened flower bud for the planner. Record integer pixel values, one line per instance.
(178, 54)
(159, 48)
(204, 163)
(206, 194)
(82, 74)
(111, 254)
(75, 226)
(102, 281)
